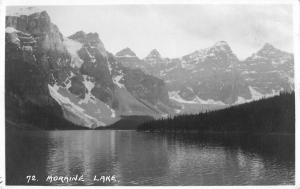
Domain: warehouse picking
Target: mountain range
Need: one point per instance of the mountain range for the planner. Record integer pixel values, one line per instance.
(215, 76)
(54, 81)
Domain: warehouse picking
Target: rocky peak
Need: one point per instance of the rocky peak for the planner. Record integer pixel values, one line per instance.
(86, 38)
(154, 54)
(221, 46)
(39, 25)
(269, 53)
(36, 23)
(269, 50)
(221, 52)
(19, 11)
(127, 52)
(90, 40)
(78, 36)
(268, 46)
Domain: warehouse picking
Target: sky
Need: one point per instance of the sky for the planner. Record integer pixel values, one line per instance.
(177, 30)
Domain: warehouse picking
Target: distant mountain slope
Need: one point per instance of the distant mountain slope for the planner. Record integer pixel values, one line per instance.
(271, 115)
(215, 76)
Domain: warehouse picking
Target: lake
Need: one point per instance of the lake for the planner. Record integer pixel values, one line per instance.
(138, 158)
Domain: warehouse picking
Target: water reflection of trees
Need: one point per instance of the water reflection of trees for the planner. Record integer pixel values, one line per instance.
(236, 159)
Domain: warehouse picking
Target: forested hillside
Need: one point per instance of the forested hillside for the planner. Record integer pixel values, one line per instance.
(270, 115)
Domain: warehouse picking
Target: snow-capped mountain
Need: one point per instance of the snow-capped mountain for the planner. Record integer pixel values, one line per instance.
(152, 63)
(127, 52)
(153, 57)
(128, 58)
(214, 76)
(76, 74)
(207, 76)
(269, 70)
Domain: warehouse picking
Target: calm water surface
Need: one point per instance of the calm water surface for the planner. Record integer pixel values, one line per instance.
(137, 158)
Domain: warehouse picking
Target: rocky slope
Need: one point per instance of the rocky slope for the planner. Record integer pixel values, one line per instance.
(30, 54)
(75, 77)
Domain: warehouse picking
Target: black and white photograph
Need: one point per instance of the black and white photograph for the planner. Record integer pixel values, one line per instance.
(150, 94)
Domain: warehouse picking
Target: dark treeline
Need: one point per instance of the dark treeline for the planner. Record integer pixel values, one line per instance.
(268, 115)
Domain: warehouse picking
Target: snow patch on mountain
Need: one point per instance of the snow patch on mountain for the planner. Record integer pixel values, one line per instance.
(187, 66)
(249, 72)
(170, 69)
(291, 81)
(255, 94)
(113, 112)
(174, 95)
(68, 82)
(92, 58)
(14, 38)
(89, 84)
(11, 30)
(109, 66)
(126, 56)
(208, 101)
(116, 79)
(178, 111)
(241, 100)
(73, 47)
